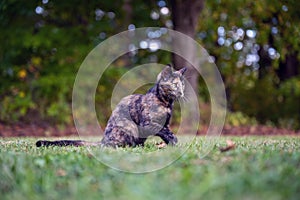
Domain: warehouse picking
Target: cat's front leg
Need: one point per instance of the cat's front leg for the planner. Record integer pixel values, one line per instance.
(167, 136)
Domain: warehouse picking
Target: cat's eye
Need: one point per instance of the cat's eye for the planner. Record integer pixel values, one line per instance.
(174, 84)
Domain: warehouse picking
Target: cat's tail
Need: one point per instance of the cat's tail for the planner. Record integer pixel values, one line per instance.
(63, 143)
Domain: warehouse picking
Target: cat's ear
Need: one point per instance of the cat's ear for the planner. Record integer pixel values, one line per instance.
(165, 73)
(181, 71)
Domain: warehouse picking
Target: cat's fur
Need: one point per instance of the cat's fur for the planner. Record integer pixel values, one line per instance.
(138, 116)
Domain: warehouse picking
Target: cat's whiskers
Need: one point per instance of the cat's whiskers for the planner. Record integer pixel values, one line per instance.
(185, 99)
(187, 76)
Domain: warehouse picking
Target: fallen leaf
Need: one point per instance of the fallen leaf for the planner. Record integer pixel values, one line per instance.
(199, 162)
(230, 146)
(161, 145)
(61, 172)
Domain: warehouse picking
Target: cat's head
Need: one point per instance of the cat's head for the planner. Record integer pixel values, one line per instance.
(171, 83)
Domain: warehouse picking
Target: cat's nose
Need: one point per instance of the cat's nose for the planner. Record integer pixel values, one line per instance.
(181, 94)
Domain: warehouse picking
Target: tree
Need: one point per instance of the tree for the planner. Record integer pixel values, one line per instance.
(185, 18)
(42, 46)
(256, 47)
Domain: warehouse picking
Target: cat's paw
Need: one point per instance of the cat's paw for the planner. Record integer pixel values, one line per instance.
(173, 141)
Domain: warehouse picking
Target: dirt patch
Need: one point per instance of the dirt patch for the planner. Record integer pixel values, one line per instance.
(253, 130)
(35, 130)
(47, 130)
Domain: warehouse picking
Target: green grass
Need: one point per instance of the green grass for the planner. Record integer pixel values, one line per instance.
(258, 168)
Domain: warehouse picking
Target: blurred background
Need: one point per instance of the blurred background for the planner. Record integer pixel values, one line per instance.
(255, 45)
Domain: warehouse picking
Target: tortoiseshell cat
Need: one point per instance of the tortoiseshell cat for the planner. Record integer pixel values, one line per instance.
(138, 116)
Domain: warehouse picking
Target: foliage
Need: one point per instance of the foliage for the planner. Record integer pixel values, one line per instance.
(104, 92)
(17, 107)
(42, 46)
(254, 44)
(239, 119)
(254, 47)
(289, 98)
(258, 168)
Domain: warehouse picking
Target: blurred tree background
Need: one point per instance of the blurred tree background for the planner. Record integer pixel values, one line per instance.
(254, 44)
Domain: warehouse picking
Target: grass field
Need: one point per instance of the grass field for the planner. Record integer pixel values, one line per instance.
(258, 168)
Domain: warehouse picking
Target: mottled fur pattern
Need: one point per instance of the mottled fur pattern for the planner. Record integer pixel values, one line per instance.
(138, 116)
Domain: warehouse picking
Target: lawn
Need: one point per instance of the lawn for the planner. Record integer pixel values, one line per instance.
(258, 168)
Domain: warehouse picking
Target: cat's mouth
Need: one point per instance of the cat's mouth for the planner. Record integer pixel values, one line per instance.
(180, 94)
(177, 96)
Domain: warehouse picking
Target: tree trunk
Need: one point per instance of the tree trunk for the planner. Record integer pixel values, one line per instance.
(127, 9)
(127, 19)
(185, 17)
(288, 68)
(265, 63)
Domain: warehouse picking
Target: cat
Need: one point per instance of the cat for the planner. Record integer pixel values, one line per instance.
(138, 116)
